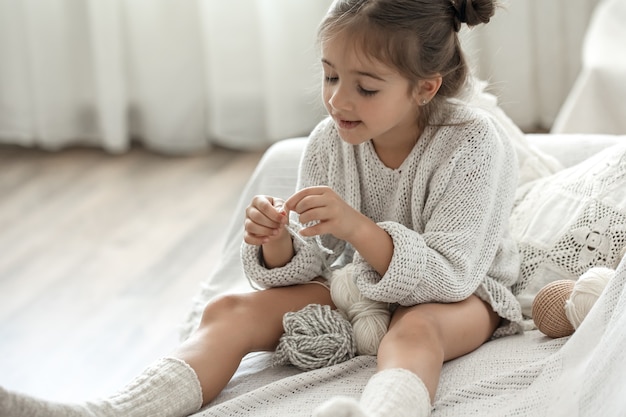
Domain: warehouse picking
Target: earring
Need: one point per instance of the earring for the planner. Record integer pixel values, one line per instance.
(423, 102)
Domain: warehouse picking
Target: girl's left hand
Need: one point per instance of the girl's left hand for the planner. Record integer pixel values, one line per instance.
(322, 205)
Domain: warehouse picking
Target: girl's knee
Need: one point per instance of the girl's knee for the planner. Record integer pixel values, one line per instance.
(230, 307)
(414, 327)
(450, 329)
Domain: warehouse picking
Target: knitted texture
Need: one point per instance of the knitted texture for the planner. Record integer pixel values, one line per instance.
(446, 208)
(315, 337)
(391, 392)
(570, 222)
(168, 388)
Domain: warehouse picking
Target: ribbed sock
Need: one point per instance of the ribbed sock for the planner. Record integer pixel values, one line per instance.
(392, 392)
(168, 388)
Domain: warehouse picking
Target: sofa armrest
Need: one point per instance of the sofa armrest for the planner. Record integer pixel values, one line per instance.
(570, 149)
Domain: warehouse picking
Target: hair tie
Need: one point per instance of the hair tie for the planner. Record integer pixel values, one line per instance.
(460, 16)
(461, 12)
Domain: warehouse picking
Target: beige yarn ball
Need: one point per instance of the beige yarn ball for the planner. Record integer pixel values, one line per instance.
(369, 319)
(586, 292)
(548, 309)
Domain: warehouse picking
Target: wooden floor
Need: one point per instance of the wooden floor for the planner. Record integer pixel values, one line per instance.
(100, 256)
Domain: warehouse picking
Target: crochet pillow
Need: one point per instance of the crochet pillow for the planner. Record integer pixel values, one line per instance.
(570, 221)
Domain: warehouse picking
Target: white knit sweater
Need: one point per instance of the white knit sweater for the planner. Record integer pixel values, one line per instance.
(446, 208)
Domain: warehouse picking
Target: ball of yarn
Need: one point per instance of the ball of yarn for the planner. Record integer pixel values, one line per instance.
(586, 292)
(548, 309)
(369, 319)
(315, 337)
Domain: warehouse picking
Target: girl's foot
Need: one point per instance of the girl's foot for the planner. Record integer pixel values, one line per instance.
(168, 388)
(392, 392)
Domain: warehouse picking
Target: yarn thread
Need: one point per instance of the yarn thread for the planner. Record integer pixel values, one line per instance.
(315, 337)
(369, 319)
(586, 291)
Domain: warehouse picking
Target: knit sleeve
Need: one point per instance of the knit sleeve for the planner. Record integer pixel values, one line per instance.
(464, 218)
(310, 260)
(303, 267)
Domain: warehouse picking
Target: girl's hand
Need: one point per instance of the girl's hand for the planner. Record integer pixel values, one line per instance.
(332, 214)
(264, 225)
(264, 220)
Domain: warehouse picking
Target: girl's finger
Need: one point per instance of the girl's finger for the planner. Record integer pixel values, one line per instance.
(315, 214)
(264, 213)
(293, 202)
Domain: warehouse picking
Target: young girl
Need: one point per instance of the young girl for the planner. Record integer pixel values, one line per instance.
(406, 185)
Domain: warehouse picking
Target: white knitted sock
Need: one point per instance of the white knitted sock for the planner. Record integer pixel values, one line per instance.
(392, 392)
(168, 388)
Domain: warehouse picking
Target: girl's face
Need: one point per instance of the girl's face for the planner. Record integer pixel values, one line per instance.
(367, 99)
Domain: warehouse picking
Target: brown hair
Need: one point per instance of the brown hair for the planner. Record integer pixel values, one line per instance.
(419, 38)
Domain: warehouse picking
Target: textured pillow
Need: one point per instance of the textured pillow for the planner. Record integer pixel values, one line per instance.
(570, 221)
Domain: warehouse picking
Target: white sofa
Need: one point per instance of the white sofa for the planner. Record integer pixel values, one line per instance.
(523, 375)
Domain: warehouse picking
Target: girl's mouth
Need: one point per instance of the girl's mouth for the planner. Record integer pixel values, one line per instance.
(347, 124)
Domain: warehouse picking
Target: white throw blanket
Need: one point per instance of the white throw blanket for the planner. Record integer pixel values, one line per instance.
(524, 375)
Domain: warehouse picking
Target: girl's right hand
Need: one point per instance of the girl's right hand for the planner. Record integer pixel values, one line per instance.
(265, 221)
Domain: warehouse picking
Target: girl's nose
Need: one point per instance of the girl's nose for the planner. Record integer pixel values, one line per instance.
(339, 99)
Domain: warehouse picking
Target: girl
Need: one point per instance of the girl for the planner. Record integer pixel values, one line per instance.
(408, 186)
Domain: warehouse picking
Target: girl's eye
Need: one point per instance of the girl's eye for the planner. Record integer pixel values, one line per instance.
(365, 92)
(362, 91)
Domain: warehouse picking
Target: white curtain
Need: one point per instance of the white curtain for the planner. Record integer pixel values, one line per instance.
(177, 75)
(596, 102)
(531, 54)
(181, 75)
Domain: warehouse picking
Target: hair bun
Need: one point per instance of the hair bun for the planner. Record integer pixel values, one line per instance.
(472, 12)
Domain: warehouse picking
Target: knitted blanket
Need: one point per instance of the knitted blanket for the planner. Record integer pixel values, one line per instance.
(523, 375)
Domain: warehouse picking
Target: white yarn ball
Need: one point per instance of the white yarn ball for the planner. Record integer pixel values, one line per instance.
(587, 290)
(370, 319)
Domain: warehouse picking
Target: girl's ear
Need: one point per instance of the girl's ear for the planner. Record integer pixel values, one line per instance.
(426, 90)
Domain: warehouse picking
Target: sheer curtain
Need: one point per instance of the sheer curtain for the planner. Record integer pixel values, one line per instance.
(531, 54)
(176, 75)
(181, 75)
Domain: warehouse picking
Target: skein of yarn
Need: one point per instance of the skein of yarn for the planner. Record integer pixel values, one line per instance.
(318, 336)
(586, 291)
(315, 337)
(369, 319)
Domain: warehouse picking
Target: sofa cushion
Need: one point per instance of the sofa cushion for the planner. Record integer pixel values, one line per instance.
(570, 221)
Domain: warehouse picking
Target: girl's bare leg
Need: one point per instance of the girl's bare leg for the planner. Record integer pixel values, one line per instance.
(176, 386)
(410, 357)
(421, 338)
(235, 325)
